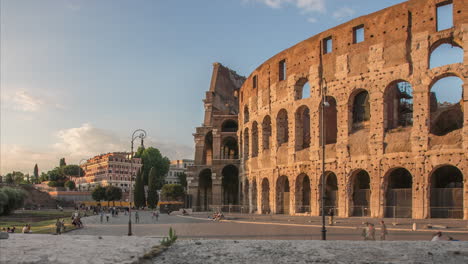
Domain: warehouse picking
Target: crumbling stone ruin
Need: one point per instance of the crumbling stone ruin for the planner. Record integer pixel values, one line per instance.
(393, 110)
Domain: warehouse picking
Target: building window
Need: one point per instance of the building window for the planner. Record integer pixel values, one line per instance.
(444, 15)
(282, 70)
(327, 45)
(358, 34)
(254, 83)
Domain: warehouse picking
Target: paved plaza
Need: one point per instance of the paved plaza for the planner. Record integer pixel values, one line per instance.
(260, 227)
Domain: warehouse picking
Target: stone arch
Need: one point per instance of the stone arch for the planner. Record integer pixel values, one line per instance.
(446, 192)
(360, 109)
(331, 191)
(360, 193)
(398, 193)
(204, 193)
(266, 132)
(444, 52)
(230, 184)
(254, 139)
(282, 195)
(208, 149)
(302, 193)
(265, 196)
(253, 202)
(230, 148)
(246, 114)
(446, 104)
(282, 130)
(302, 120)
(229, 126)
(398, 105)
(245, 192)
(331, 120)
(246, 144)
(301, 89)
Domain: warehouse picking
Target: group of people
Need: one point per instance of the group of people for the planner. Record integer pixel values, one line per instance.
(439, 237)
(59, 226)
(26, 229)
(368, 231)
(217, 216)
(76, 219)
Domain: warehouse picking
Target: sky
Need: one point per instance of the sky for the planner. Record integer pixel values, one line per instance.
(79, 76)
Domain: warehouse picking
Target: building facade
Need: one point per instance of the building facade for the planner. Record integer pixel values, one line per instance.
(175, 168)
(362, 98)
(109, 169)
(213, 180)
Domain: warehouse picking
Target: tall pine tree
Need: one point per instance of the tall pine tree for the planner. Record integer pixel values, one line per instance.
(139, 192)
(36, 174)
(152, 188)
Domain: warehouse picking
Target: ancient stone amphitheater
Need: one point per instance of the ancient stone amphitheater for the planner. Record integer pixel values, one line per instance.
(377, 105)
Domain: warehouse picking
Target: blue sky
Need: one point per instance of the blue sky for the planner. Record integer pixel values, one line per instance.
(78, 76)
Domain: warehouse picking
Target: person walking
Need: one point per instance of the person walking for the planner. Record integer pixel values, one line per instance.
(137, 217)
(157, 215)
(331, 213)
(102, 216)
(383, 230)
(107, 217)
(364, 231)
(58, 227)
(371, 232)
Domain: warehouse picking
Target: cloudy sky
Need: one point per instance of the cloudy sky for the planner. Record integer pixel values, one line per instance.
(78, 76)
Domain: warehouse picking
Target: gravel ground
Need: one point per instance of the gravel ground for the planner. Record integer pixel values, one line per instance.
(35, 248)
(281, 251)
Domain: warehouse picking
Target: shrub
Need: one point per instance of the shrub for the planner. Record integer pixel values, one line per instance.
(52, 184)
(70, 184)
(167, 241)
(10, 199)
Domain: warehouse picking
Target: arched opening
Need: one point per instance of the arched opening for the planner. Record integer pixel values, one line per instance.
(265, 196)
(230, 183)
(266, 132)
(302, 89)
(282, 195)
(204, 190)
(398, 105)
(254, 196)
(302, 128)
(246, 114)
(446, 106)
(330, 118)
(254, 139)
(445, 54)
(303, 193)
(282, 129)
(399, 198)
(447, 192)
(361, 110)
(245, 192)
(229, 126)
(331, 192)
(246, 144)
(208, 149)
(230, 148)
(360, 193)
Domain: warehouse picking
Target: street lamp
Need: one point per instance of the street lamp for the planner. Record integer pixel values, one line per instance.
(323, 104)
(139, 133)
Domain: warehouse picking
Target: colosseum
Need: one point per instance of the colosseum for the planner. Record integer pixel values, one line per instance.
(376, 106)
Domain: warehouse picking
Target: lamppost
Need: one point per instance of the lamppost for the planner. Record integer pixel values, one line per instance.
(139, 133)
(323, 104)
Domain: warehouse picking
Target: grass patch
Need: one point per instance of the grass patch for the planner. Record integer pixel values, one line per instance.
(41, 227)
(42, 222)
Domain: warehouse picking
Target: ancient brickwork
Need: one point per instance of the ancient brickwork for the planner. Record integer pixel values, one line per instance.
(365, 136)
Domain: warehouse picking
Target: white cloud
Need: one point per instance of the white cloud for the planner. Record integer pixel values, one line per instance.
(343, 13)
(79, 143)
(303, 5)
(22, 101)
(312, 19)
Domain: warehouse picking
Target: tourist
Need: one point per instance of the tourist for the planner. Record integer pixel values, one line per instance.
(107, 216)
(153, 215)
(137, 217)
(4, 229)
(437, 236)
(13, 229)
(331, 213)
(62, 226)
(371, 234)
(102, 216)
(383, 230)
(58, 227)
(26, 229)
(364, 231)
(157, 215)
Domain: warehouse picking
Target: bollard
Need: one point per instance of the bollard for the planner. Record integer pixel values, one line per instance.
(414, 226)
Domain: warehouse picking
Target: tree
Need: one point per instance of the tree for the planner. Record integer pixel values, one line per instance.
(9, 178)
(73, 170)
(151, 157)
(62, 162)
(182, 179)
(113, 193)
(99, 193)
(172, 191)
(70, 185)
(36, 174)
(44, 177)
(152, 189)
(10, 199)
(139, 191)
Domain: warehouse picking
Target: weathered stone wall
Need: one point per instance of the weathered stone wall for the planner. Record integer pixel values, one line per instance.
(397, 46)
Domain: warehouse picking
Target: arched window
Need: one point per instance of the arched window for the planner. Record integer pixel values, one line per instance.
(230, 150)
(360, 110)
(302, 89)
(254, 139)
(266, 132)
(447, 193)
(246, 143)
(246, 114)
(302, 127)
(445, 54)
(230, 183)
(208, 149)
(282, 129)
(330, 118)
(398, 105)
(399, 198)
(229, 126)
(446, 105)
(361, 193)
